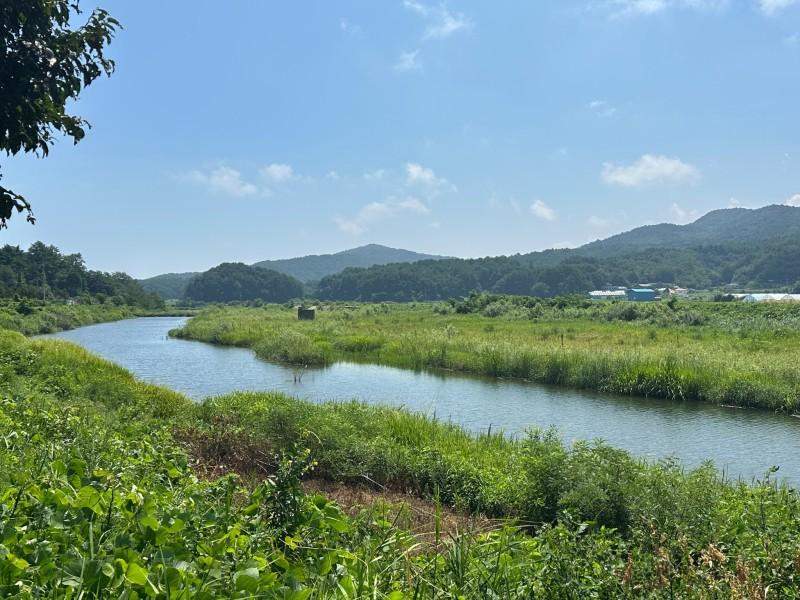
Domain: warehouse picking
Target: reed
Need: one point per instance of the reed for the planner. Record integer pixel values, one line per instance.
(742, 356)
(100, 497)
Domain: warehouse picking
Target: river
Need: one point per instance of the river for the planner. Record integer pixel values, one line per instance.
(742, 443)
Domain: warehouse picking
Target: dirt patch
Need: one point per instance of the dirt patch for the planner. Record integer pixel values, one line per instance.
(217, 454)
(418, 516)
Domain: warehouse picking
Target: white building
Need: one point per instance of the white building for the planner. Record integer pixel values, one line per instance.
(766, 297)
(678, 292)
(607, 295)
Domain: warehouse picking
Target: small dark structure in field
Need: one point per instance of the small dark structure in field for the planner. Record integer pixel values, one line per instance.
(306, 314)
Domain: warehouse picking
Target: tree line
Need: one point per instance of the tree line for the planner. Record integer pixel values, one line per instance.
(234, 282)
(43, 272)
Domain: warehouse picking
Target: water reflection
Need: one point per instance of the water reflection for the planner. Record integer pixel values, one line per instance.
(745, 443)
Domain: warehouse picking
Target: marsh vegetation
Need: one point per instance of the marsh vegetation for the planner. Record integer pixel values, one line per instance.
(719, 352)
(112, 487)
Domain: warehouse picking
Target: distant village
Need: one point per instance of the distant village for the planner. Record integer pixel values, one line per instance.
(651, 294)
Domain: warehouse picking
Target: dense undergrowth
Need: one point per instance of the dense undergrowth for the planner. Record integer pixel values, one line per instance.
(100, 498)
(719, 352)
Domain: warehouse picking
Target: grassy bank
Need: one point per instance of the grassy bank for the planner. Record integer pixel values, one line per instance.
(99, 497)
(723, 353)
(34, 318)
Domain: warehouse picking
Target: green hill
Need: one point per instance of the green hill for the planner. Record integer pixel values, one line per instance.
(169, 286)
(717, 227)
(303, 268)
(736, 247)
(316, 266)
(236, 281)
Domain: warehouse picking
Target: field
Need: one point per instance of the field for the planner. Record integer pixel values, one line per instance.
(718, 352)
(114, 488)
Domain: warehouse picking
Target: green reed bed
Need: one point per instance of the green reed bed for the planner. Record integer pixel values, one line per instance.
(744, 356)
(34, 318)
(99, 499)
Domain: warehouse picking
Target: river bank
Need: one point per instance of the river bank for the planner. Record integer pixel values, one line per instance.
(742, 443)
(115, 460)
(736, 356)
(37, 318)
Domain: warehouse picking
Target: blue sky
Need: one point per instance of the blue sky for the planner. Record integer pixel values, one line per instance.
(248, 130)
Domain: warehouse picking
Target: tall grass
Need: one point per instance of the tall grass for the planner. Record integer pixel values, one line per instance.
(98, 499)
(734, 357)
(32, 318)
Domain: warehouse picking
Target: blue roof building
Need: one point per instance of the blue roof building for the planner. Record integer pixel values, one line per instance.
(640, 294)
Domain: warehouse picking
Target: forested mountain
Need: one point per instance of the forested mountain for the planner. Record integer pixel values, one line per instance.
(230, 282)
(773, 265)
(170, 286)
(304, 268)
(43, 272)
(717, 227)
(316, 266)
(734, 247)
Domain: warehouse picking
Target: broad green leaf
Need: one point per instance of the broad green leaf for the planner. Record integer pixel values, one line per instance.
(136, 574)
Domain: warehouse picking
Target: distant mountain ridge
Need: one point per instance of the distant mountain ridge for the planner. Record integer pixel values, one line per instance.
(731, 248)
(727, 247)
(304, 268)
(316, 266)
(722, 226)
(169, 286)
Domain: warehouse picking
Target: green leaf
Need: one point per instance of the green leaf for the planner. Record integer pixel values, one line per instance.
(136, 574)
(247, 579)
(150, 522)
(108, 570)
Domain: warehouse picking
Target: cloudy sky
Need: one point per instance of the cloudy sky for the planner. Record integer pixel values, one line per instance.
(247, 130)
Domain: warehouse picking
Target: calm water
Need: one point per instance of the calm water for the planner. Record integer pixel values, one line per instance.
(745, 443)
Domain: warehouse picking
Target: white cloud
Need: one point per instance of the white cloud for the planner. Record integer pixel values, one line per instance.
(631, 8)
(682, 215)
(793, 201)
(417, 174)
(649, 169)
(417, 7)
(540, 210)
(734, 203)
(602, 108)
(600, 222)
(441, 23)
(277, 172)
(332, 175)
(348, 27)
(379, 211)
(408, 62)
(376, 175)
(348, 226)
(224, 180)
(792, 41)
(771, 7)
(413, 205)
